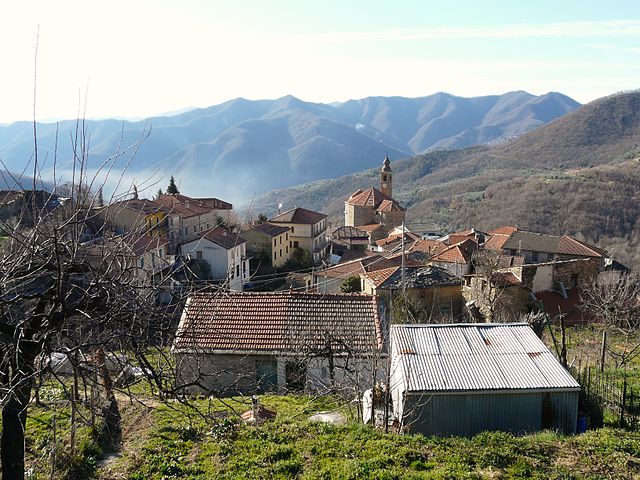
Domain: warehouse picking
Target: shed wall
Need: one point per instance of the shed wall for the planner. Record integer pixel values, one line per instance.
(466, 414)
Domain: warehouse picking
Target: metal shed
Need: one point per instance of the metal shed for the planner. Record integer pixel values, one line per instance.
(462, 379)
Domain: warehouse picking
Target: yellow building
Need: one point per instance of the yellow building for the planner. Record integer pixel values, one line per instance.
(307, 230)
(270, 240)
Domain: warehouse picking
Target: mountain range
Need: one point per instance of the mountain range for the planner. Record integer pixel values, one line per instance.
(242, 147)
(577, 175)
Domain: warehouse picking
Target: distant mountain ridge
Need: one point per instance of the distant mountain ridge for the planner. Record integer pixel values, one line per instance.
(242, 147)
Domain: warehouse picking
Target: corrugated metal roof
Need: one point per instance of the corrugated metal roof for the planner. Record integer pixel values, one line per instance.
(476, 357)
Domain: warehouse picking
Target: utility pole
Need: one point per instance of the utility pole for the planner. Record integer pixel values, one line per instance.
(404, 289)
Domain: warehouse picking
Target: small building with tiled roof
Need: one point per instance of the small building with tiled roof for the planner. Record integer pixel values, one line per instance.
(540, 247)
(366, 207)
(438, 290)
(308, 230)
(247, 343)
(394, 241)
(269, 242)
(343, 239)
(456, 258)
(224, 253)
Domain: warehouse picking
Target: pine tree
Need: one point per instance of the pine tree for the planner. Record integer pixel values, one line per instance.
(100, 198)
(159, 194)
(135, 192)
(172, 189)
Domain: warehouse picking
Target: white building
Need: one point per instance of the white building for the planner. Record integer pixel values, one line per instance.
(224, 252)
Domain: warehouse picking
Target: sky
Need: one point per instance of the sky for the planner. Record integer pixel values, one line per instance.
(140, 58)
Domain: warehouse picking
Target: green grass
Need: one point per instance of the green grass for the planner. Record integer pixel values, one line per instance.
(291, 447)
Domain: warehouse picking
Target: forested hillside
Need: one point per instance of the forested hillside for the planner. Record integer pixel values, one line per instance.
(578, 175)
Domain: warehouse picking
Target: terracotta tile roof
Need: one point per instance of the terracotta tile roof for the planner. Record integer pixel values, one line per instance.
(222, 237)
(299, 215)
(270, 230)
(540, 242)
(505, 230)
(430, 247)
(554, 303)
(506, 261)
(190, 207)
(452, 239)
(371, 197)
(396, 239)
(496, 242)
(140, 244)
(459, 253)
(371, 227)
(287, 322)
(377, 277)
(350, 255)
(570, 246)
(141, 205)
(390, 206)
(353, 267)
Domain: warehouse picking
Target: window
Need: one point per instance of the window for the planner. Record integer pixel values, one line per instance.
(280, 253)
(199, 255)
(274, 242)
(384, 178)
(142, 263)
(535, 256)
(287, 236)
(292, 230)
(295, 244)
(280, 240)
(287, 249)
(266, 375)
(275, 255)
(194, 228)
(237, 270)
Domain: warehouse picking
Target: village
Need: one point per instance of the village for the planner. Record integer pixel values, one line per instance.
(368, 310)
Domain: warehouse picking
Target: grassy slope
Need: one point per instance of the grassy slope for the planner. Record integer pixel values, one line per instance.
(292, 447)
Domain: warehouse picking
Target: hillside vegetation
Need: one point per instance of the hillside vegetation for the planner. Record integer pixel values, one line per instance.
(578, 175)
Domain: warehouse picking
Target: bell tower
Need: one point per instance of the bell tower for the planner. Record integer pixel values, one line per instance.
(386, 177)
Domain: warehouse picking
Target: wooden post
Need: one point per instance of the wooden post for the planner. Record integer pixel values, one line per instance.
(563, 340)
(624, 396)
(603, 351)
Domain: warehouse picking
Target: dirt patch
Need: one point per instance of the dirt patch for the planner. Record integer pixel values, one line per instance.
(136, 423)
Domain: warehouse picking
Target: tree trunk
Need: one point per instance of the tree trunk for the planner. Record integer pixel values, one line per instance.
(14, 415)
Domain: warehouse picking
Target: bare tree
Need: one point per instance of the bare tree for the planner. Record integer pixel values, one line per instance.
(616, 303)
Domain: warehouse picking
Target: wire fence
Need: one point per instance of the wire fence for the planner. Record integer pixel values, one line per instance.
(608, 397)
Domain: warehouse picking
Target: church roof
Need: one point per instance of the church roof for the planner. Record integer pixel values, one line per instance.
(374, 198)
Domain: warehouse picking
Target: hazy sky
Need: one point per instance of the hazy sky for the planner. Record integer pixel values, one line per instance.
(139, 58)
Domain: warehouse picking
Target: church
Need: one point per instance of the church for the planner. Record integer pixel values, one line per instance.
(371, 207)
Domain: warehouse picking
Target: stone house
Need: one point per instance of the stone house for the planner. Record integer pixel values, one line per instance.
(541, 248)
(373, 206)
(270, 241)
(247, 343)
(438, 290)
(224, 252)
(307, 230)
(187, 217)
(553, 287)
